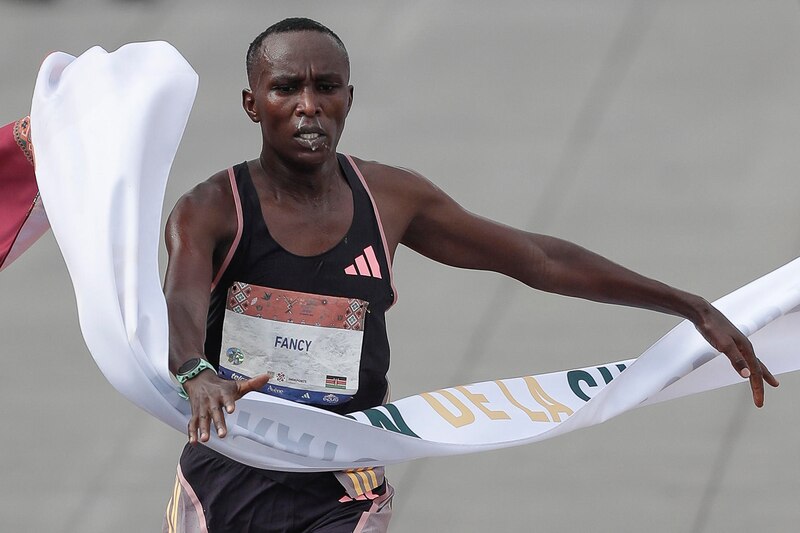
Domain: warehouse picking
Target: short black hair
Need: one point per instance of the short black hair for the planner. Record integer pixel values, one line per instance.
(286, 26)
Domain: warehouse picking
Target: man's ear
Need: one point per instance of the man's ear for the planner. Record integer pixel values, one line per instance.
(350, 98)
(249, 105)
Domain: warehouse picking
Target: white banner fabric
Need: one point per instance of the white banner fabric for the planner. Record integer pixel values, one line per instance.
(107, 126)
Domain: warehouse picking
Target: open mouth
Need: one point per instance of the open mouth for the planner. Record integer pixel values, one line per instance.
(311, 134)
(312, 138)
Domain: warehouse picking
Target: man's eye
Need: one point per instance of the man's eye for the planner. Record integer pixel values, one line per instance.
(285, 88)
(327, 87)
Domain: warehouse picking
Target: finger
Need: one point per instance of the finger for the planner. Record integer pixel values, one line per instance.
(744, 369)
(229, 398)
(252, 384)
(192, 428)
(737, 360)
(219, 421)
(756, 374)
(230, 405)
(757, 386)
(768, 377)
(752, 371)
(205, 424)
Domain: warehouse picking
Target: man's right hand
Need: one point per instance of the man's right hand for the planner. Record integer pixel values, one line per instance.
(209, 395)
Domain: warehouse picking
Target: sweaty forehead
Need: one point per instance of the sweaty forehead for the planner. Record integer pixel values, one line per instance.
(297, 52)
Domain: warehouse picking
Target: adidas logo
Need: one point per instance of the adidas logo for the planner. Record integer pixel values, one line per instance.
(365, 265)
(306, 396)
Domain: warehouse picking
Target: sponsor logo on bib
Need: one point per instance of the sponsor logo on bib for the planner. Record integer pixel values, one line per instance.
(330, 398)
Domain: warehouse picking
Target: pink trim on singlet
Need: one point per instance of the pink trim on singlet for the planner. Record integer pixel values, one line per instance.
(198, 507)
(376, 505)
(239, 221)
(380, 226)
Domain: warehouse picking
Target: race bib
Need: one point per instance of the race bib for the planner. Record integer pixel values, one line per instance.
(309, 344)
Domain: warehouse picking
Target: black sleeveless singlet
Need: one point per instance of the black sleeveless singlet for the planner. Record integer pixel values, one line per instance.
(356, 267)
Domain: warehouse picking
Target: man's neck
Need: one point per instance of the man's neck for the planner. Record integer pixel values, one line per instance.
(302, 183)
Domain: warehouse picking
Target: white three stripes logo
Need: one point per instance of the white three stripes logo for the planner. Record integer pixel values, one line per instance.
(365, 265)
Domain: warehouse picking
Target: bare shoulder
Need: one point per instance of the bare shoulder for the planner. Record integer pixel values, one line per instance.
(210, 194)
(402, 196)
(396, 184)
(208, 209)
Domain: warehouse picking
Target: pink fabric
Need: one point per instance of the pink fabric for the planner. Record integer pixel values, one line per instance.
(34, 227)
(18, 189)
(238, 203)
(201, 517)
(377, 518)
(380, 225)
(351, 271)
(361, 265)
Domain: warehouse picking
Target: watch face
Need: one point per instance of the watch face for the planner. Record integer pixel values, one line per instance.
(189, 365)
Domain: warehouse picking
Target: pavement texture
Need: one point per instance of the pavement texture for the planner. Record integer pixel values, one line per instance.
(663, 135)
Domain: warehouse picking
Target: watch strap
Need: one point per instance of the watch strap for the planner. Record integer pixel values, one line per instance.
(189, 370)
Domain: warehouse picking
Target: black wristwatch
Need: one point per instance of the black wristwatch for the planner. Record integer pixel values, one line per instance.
(189, 370)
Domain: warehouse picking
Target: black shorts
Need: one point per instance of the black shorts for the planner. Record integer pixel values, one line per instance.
(216, 494)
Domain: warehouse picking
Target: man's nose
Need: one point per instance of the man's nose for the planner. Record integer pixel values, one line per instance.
(307, 103)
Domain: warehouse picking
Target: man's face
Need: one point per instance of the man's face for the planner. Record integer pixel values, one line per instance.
(300, 96)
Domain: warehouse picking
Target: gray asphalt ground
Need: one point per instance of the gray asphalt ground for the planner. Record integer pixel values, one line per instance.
(663, 135)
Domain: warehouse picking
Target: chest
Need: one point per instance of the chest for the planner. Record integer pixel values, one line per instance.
(308, 228)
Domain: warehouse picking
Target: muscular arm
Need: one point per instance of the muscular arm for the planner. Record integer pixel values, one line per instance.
(199, 229)
(196, 227)
(446, 232)
(434, 225)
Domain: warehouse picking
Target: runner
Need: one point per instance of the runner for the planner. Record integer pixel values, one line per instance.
(308, 230)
